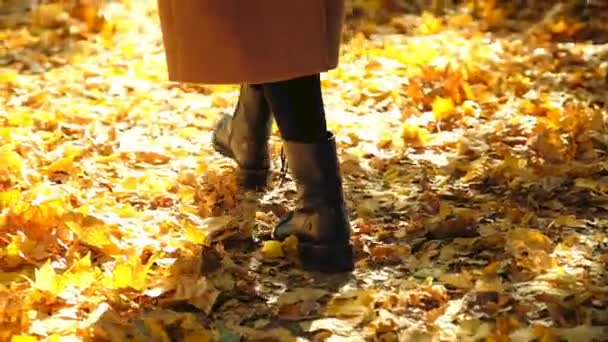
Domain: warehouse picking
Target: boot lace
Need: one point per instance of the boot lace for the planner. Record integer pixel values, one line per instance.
(284, 167)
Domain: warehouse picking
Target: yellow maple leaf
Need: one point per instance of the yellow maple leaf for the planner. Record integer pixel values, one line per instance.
(8, 76)
(5, 132)
(131, 183)
(83, 263)
(20, 119)
(10, 160)
(54, 338)
(24, 338)
(430, 24)
(195, 234)
(443, 108)
(91, 232)
(273, 249)
(414, 135)
(61, 165)
(66, 163)
(201, 168)
(123, 276)
(82, 275)
(125, 210)
(9, 198)
(47, 280)
(130, 273)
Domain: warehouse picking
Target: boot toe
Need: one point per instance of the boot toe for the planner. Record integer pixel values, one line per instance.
(221, 137)
(254, 170)
(284, 229)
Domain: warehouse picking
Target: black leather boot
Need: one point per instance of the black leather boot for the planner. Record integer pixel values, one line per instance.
(244, 137)
(320, 220)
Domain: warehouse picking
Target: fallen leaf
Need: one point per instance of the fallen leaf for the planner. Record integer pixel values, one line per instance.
(301, 294)
(569, 221)
(300, 310)
(334, 325)
(458, 226)
(198, 292)
(10, 160)
(46, 279)
(443, 108)
(272, 249)
(461, 280)
(354, 305)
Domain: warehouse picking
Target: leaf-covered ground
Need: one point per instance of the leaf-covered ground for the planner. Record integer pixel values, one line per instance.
(474, 158)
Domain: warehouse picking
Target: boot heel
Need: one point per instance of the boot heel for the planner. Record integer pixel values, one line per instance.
(248, 178)
(326, 258)
(221, 149)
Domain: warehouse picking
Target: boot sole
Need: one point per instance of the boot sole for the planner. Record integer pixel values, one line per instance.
(250, 179)
(326, 258)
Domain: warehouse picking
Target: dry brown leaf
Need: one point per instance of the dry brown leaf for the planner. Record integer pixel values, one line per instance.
(462, 280)
(196, 291)
(301, 294)
(300, 310)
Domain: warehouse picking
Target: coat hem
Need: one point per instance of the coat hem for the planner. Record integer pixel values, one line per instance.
(176, 78)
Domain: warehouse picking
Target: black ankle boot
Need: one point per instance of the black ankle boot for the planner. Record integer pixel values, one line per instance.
(320, 220)
(244, 137)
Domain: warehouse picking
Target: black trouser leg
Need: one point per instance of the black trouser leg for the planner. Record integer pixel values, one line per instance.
(297, 105)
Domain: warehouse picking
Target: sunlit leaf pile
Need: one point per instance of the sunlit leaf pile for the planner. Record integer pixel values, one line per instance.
(473, 145)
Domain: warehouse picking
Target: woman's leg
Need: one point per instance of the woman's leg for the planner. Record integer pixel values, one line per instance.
(298, 108)
(320, 219)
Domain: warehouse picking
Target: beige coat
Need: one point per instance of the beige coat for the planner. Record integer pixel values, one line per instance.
(249, 41)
